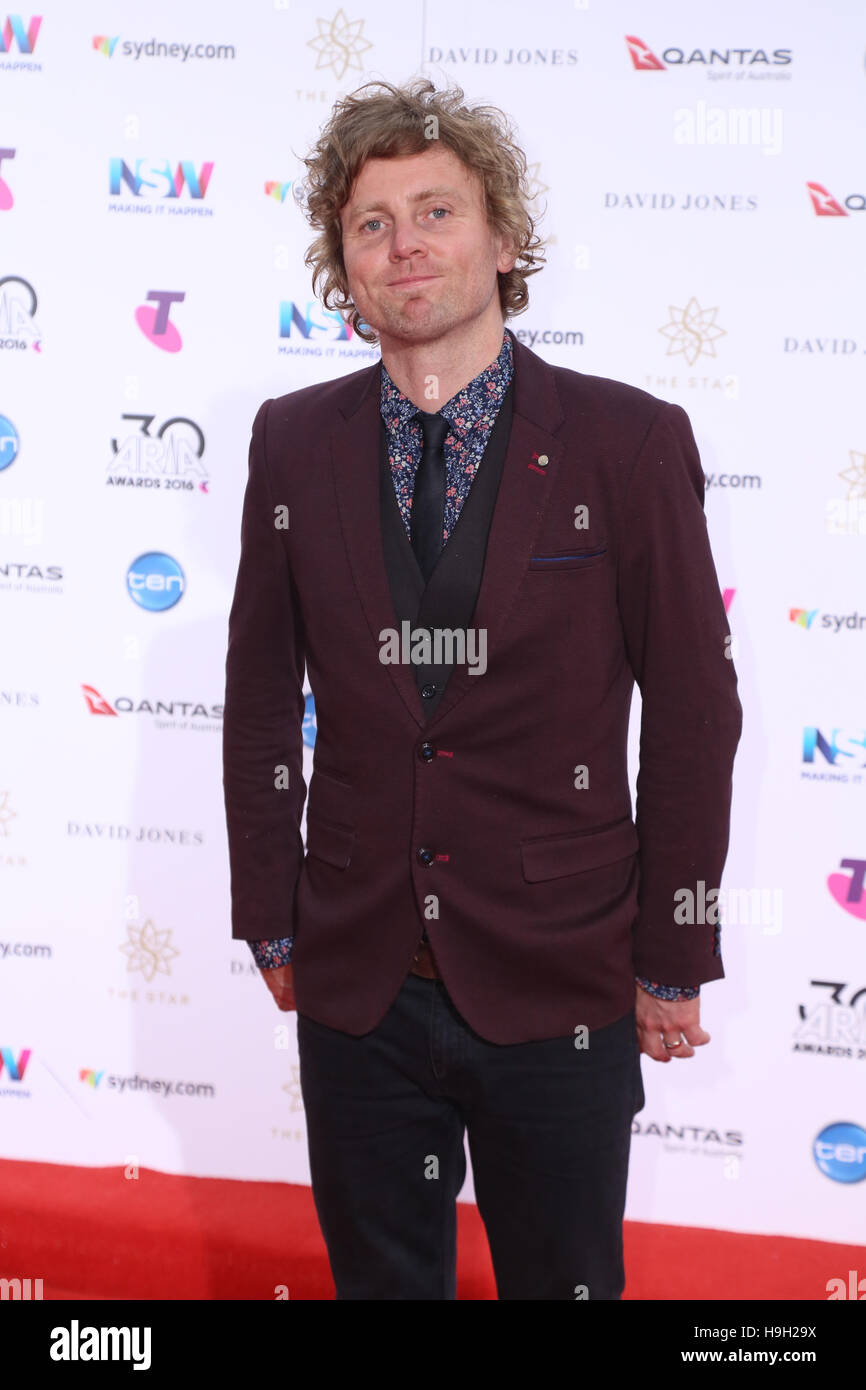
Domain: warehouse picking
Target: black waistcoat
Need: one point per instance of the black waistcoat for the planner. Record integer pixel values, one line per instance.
(448, 599)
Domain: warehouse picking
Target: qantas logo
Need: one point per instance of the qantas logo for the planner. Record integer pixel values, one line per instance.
(643, 57)
(96, 703)
(645, 60)
(182, 710)
(825, 205)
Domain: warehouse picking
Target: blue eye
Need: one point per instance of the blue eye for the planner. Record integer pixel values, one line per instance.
(371, 220)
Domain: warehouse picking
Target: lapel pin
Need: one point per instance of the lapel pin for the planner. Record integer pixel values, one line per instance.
(540, 462)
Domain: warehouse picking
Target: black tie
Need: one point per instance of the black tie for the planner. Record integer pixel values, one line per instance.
(428, 499)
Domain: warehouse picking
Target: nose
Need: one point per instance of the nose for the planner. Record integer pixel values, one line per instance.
(406, 238)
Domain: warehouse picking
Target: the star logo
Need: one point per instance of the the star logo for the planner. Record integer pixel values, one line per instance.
(6, 814)
(855, 476)
(692, 331)
(339, 44)
(534, 182)
(293, 1090)
(148, 950)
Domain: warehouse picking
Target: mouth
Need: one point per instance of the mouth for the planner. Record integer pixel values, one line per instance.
(411, 280)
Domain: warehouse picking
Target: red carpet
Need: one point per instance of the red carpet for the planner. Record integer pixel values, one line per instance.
(91, 1233)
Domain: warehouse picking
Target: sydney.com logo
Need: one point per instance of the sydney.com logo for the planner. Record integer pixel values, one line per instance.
(155, 48)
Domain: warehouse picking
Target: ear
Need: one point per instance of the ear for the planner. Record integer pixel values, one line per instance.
(506, 259)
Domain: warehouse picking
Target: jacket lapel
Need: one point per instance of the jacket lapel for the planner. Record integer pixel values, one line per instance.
(524, 490)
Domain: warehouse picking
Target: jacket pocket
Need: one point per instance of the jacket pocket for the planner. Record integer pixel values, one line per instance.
(552, 561)
(332, 843)
(554, 856)
(330, 798)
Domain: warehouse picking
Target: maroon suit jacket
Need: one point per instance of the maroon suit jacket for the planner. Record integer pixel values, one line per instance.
(544, 899)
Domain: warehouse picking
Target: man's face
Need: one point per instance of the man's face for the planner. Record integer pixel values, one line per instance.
(420, 256)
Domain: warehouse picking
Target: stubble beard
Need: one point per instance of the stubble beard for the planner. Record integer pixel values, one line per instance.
(419, 323)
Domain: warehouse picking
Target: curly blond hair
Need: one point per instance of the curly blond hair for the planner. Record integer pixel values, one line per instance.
(391, 121)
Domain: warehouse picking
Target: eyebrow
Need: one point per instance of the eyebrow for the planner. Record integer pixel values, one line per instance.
(413, 198)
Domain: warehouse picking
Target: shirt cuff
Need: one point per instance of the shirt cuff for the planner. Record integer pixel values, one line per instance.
(677, 992)
(269, 954)
(669, 992)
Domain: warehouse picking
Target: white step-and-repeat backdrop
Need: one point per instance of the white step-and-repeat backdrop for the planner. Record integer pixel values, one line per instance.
(700, 170)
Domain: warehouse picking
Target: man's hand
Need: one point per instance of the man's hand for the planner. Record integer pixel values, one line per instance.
(279, 982)
(668, 1020)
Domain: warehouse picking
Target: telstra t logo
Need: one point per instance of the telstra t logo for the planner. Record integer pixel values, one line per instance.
(155, 323)
(849, 892)
(6, 199)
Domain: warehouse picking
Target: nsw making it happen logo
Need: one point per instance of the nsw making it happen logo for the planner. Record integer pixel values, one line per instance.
(155, 322)
(156, 186)
(14, 1067)
(313, 330)
(842, 749)
(155, 581)
(16, 32)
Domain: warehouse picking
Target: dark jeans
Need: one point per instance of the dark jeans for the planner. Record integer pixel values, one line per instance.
(549, 1130)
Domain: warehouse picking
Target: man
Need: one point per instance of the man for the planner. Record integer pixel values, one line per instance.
(480, 940)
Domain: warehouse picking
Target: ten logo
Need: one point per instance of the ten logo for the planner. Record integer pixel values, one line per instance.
(9, 443)
(840, 1152)
(155, 581)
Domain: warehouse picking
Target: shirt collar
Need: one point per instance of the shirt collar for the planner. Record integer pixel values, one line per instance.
(477, 402)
